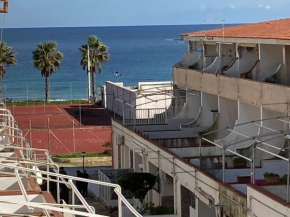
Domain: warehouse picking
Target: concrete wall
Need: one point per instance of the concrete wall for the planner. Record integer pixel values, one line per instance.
(246, 113)
(271, 58)
(245, 62)
(188, 59)
(205, 211)
(228, 54)
(270, 96)
(286, 74)
(209, 103)
(210, 53)
(192, 105)
(228, 114)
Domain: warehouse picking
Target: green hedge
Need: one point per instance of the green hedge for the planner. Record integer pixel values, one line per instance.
(79, 155)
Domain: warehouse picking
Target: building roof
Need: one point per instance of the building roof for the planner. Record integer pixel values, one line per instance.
(276, 29)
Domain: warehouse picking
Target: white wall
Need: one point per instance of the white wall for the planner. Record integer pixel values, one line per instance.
(271, 58)
(11, 183)
(205, 211)
(228, 114)
(245, 62)
(19, 209)
(260, 205)
(246, 113)
(131, 96)
(228, 53)
(204, 182)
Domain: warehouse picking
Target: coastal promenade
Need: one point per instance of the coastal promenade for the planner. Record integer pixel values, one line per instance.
(65, 129)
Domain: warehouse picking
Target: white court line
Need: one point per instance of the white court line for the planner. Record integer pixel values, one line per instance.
(72, 120)
(58, 108)
(96, 137)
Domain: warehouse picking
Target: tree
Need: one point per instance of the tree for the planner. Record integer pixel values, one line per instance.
(46, 58)
(7, 57)
(138, 183)
(98, 53)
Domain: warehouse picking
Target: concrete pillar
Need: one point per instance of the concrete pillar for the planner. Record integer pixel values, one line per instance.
(258, 70)
(203, 55)
(177, 195)
(284, 70)
(115, 151)
(137, 162)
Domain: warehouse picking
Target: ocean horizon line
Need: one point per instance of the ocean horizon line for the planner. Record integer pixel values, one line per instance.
(157, 25)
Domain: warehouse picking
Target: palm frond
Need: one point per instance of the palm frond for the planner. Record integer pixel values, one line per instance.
(98, 53)
(46, 58)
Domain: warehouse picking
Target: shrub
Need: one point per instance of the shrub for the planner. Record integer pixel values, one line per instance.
(283, 179)
(271, 175)
(239, 160)
(161, 210)
(138, 183)
(108, 148)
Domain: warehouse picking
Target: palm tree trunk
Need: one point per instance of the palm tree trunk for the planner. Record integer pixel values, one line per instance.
(47, 89)
(94, 85)
(1, 90)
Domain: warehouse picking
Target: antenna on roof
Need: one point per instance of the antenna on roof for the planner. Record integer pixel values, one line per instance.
(223, 26)
(223, 29)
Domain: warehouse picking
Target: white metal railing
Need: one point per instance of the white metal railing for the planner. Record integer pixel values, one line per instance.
(29, 159)
(144, 116)
(150, 116)
(104, 191)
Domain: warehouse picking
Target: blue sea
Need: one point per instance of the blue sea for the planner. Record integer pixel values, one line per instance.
(139, 53)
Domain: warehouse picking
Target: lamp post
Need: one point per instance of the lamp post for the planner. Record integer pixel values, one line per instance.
(83, 154)
(117, 74)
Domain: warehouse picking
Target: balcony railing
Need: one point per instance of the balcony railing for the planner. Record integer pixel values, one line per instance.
(150, 116)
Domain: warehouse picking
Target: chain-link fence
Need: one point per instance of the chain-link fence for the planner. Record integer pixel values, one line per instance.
(29, 94)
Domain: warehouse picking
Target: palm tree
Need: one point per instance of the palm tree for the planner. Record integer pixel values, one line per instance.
(7, 57)
(46, 58)
(98, 54)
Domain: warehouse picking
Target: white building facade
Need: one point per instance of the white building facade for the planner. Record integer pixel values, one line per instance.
(233, 87)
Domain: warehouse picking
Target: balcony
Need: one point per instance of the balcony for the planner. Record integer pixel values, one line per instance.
(257, 93)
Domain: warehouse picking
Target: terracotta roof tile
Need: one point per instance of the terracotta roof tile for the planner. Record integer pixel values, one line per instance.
(276, 29)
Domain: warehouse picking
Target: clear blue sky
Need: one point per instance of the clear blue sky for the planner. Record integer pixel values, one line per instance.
(70, 13)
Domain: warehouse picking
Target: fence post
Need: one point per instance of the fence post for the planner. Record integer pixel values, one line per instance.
(26, 94)
(165, 114)
(70, 93)
(80, 113)
(148, 111)
(74, 141)
(59, 95)
(123, 113)
(48, 139)
(5, 94)
(44, 114)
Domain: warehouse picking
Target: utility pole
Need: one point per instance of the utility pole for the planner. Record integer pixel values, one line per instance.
(89, 76)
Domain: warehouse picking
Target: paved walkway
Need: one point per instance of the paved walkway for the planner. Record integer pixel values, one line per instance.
(97, 204)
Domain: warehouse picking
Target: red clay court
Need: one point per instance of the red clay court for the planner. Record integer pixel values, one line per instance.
(64, 129)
